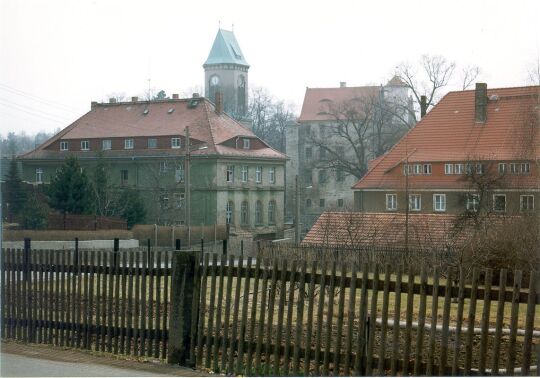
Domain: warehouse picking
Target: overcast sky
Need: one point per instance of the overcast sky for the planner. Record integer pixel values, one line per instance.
(58, 56)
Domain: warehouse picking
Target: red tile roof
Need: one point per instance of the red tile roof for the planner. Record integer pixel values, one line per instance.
(162, 118)
(316, 100)
(448, 133)
(350, 229)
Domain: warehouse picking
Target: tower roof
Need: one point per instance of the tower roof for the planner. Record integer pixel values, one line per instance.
(226, 50)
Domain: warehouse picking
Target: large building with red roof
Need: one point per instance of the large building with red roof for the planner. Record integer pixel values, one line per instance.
(476, 150)
(236, 177)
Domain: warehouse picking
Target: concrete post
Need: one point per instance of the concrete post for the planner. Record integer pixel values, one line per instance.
(182, 294)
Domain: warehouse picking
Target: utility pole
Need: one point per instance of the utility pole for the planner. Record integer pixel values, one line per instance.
(297, 216)
(187, 189)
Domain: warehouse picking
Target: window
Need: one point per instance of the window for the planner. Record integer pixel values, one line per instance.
(152, 143)
(179, 174)
(85, 145)
(308, 202)
(322, 153)
(340, 202)
(123, 177)
(458, 169)
(513, 168)
(128, 144)
(499, 202)
(308, 177)
(340, 175)
(272, 212)
(64, 146)
(479, 168)
(415, 202)
(417, 169)
(469, 168)
(322, 176)
(106, 144)
(164, 200)
(525, 168)
(449, 169)
(526, 202)
(258, 174)
(244, 208)
(391, 202)
(427, 169)
(246, 143)
(179, 200)
(162, 166)
(321, 202)
(39, 175)
(244, 173)
(309, 152)
(230, 173)
(258, 213)
(175, 142)
(439, 202)
(272, 175)
(473, 202)
(229, 211)
(502, 168)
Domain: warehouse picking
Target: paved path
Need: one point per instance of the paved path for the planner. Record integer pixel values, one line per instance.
(31, 360)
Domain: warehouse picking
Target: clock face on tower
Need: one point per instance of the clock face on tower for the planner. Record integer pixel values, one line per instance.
(214, 80)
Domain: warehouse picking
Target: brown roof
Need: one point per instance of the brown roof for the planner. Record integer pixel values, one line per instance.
(317, 100)
(162, 118)
(350, 229)
(396, 82)
(448, 133)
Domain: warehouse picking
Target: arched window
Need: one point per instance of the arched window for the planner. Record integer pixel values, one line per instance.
(244, 212)
(258, 213)
(230, 212)
(272, 212)
(241, 95)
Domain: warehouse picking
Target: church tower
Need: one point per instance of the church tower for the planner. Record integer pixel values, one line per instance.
(226, 70)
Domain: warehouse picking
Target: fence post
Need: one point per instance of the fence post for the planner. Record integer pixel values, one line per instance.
(76, 259)
(178, 244)
(116, 249)
(27, 246)
(224, 246)
(242, 247)
(148, 250)
(202, 245)
(182, 292)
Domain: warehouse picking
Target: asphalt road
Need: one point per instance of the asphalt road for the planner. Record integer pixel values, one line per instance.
(21, 366)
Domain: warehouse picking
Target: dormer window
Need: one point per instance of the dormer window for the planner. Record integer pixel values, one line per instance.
(106, 144)
(152, 143)
(64, 146)
(85, 145)
(175, 142)
(246, 144)
(128, 144)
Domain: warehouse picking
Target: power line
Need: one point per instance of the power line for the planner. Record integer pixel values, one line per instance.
(11, 107)
(37, 98)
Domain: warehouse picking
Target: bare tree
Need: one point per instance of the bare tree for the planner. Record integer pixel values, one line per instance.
(469, 75)
(533, 73)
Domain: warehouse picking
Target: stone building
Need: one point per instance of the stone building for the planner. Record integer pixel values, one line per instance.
(236, 178)
(308, 142)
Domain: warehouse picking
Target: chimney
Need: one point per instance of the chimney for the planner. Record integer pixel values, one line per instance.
(175, 96)
(134, 99)
(219, 103)
(112, 100)
(423, 106)
(480, 103)
(93, 104)
(196, 95)
(342, 84)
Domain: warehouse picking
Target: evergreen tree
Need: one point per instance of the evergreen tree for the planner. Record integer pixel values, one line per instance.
(131, 207)
(34, 214)
(70, 190)
(15, 191)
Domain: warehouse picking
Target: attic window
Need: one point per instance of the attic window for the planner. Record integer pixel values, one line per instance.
(193, 103)
(325, 100)
(246, 144)
(170, 110)
(146, 111)
(238, 56)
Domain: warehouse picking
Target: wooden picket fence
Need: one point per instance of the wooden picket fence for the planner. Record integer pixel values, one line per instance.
(114, 302)
(277, 317)
(273, 316)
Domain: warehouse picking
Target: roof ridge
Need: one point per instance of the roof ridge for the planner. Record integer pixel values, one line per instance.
(496, 88)
(206, 103)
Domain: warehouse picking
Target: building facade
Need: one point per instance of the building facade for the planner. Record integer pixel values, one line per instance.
(236, 178)
(475, 151)
(317, 139)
